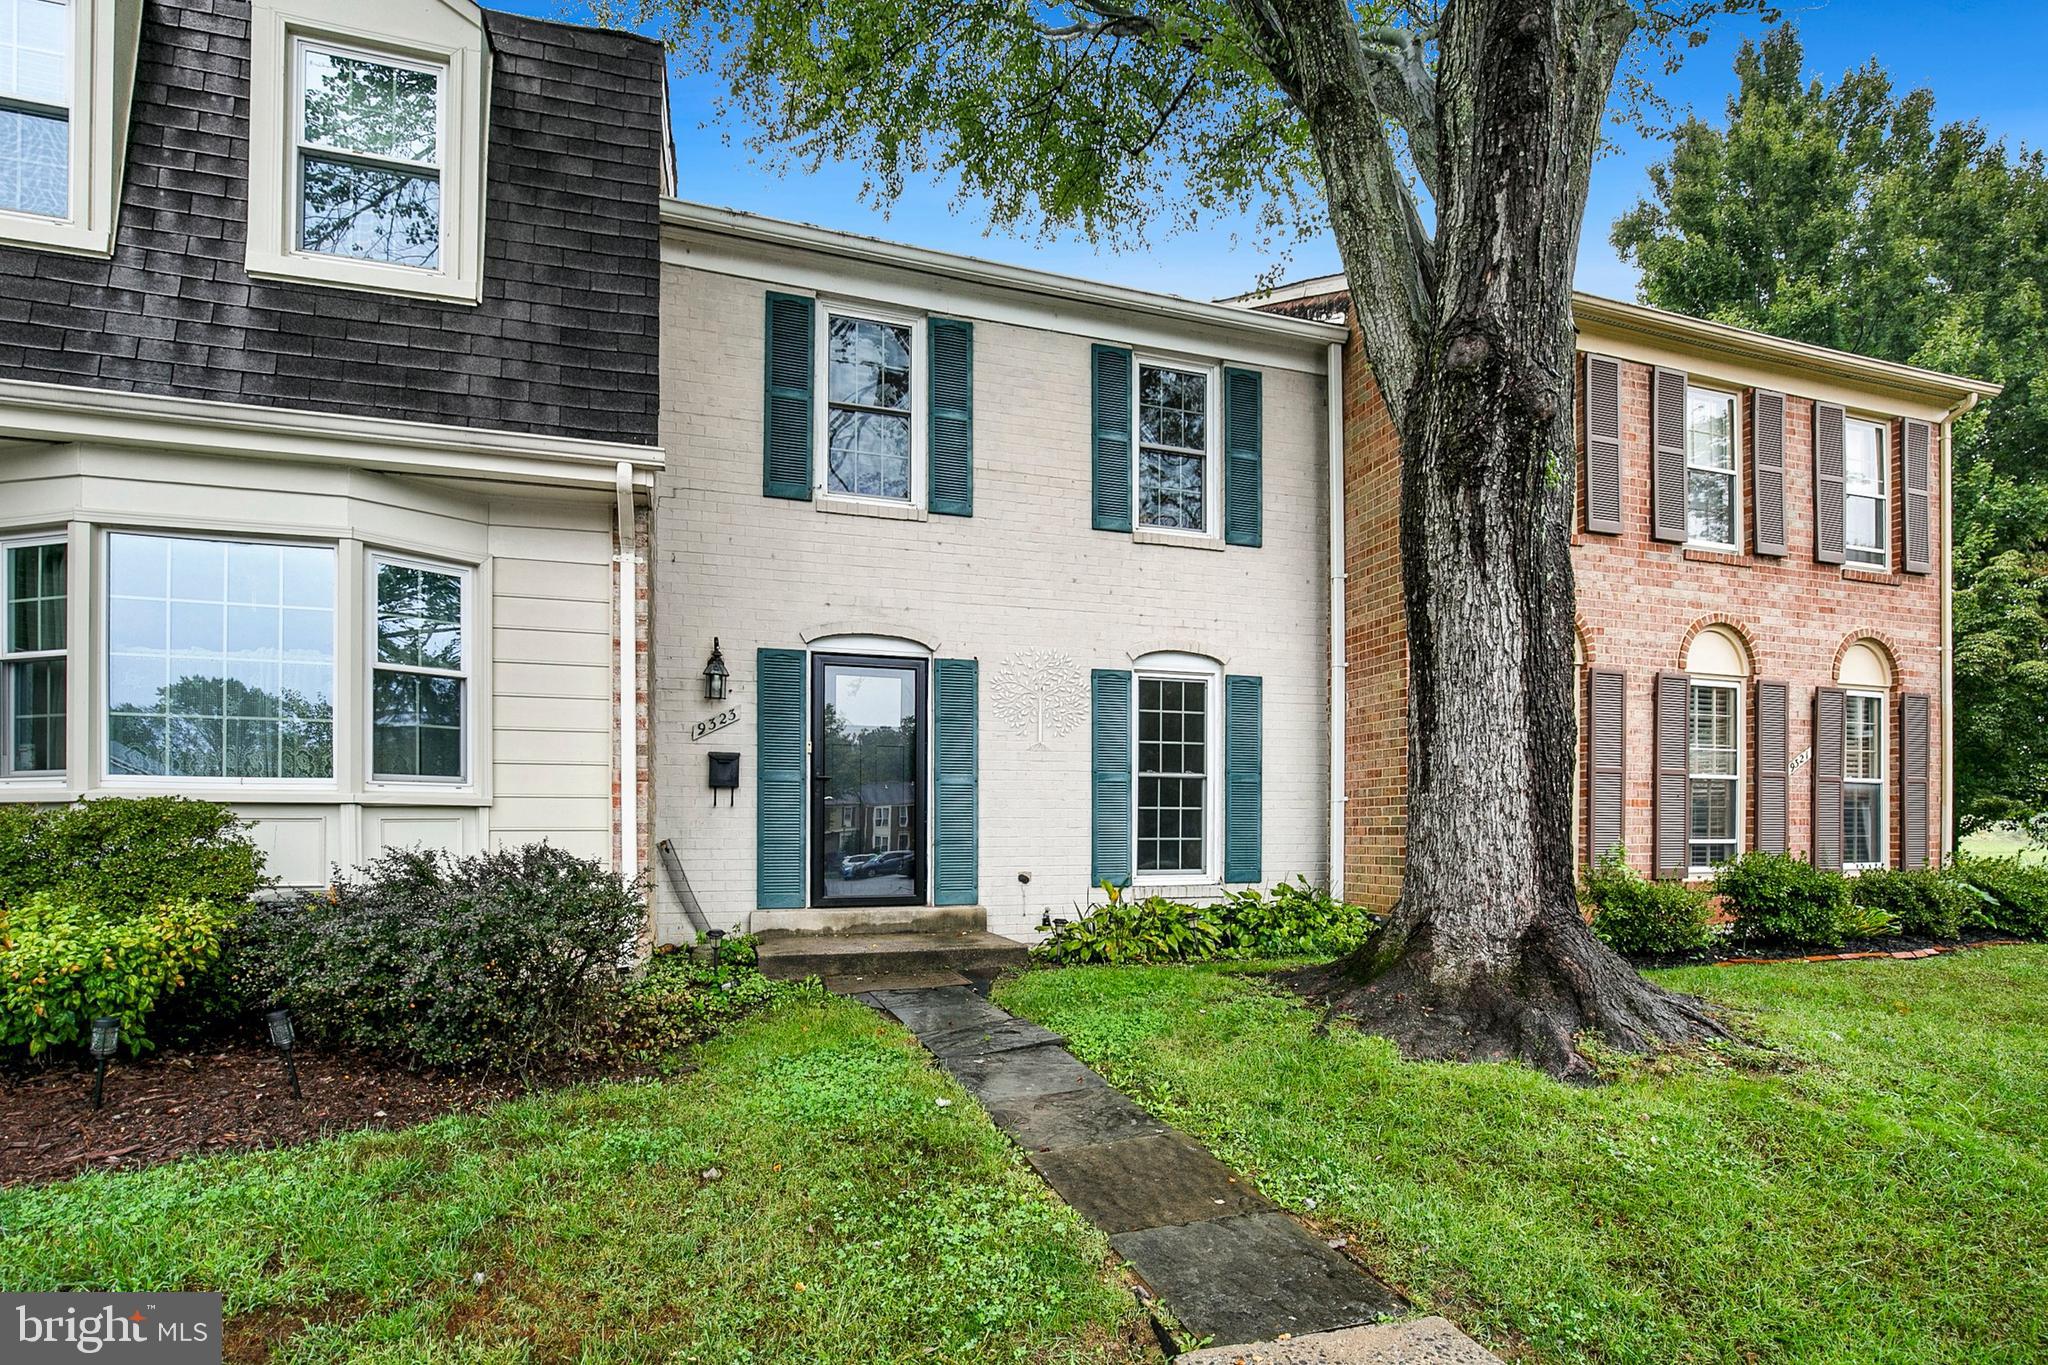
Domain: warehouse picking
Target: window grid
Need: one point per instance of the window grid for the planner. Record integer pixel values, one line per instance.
(1714, 762)
(368, 160)
(419, 679)
(1173, 448)
(1173, 748)
(32, 659)
(35, 107)
(869, 390)
(1866, 511)
(1863, 831)
(1710, 469)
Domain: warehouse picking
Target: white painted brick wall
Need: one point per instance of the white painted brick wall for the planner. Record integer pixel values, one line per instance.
(1025, 572)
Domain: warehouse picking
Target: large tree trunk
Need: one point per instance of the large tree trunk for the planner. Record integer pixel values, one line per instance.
(1485, 955)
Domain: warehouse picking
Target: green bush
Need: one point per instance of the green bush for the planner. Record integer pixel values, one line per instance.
(1632, 915)
(499, 959)
(1294, 919)
(679, 1000)
(1776, 898)
(2013, 895)
(120, 855)
(1926, 902)
(62, 965)
(1861, 920)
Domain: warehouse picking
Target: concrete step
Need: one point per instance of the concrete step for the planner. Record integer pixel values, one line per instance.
(867, 919)
(973, 952)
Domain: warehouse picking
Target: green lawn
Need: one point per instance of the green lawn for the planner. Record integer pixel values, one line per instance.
(2004, 841)
(854, 1219)
(1873, 1190)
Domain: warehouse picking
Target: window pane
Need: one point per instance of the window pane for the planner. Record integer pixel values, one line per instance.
(1863, 751)
(36, 708)
(419, 617)
(1710, 506)
(1863, 457)
(35, 52)
(371, 213)
(1862, 841)
(416, 725)
(1713, 808)
(870, 364)
(1170, 490)
(1863, 530)
(869, 454)
(1709, 429)
(35, 163)
(354, 104)
(201, 681)
(35, 598)
(1172, 756)
(1714, 743)
(1173, 408)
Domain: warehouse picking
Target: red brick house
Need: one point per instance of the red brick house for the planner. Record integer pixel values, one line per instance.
(1762, 560)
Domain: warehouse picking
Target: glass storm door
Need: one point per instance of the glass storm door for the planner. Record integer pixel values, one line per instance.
(867, 781)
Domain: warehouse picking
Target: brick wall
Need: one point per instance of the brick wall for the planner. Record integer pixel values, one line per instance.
(1375, 644)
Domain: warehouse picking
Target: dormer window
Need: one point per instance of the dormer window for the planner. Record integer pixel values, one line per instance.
(369, 156)
(35, 107)
(66, 72)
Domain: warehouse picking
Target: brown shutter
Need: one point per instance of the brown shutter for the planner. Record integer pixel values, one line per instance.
(1767, 470)
(1827, 483)
(1667, 458)
(1772, 712)
(1919, 452)
(1603, 445)
(1607, 704)
(1913, 779)
(1827, 777)
(1674, 818)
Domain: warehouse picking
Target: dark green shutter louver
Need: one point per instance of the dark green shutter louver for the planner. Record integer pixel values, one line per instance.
(952, 419)
(786, 411)
(956, 838)
(1110, 784)
(1243, 437)
(779, 779)
(1243, 777)
(1111, 459)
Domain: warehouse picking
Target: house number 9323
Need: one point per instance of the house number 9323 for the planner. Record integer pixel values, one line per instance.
(715, 723)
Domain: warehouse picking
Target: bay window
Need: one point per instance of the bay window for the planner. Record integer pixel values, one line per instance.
(32, 658)
(1714, 767)
(1173, 790)
(1863, 828)
(1710, 469)
(419, 681)
(1174, 429)
(1866, 512)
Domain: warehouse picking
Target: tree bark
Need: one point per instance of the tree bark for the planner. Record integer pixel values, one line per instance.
(1485, 955)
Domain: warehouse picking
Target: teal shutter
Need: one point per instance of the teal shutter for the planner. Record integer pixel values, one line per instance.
(956, 853)
(951, 343)
(779, 795)
(786, 412)
(1243, 771)
(1243, 439)
(1112, 456)
(1111, 785)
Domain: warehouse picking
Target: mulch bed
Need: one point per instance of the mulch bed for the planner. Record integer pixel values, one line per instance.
(229, 1097)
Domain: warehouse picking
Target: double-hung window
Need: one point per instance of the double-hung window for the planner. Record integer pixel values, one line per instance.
(1173, 776)
(419, 681)
(1863, 833)
(32, 658)
(35, 107)
(369, 137)
(1714, 765)
(870, 428)
(1866, 518)
(220, 659)
(1710, 469)
(1174, 429)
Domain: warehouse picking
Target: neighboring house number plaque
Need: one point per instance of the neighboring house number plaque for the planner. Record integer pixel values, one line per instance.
(715, 723)
(1799, 760)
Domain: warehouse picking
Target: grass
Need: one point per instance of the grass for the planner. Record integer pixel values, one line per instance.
(2005, 841)
(1873, 1188)
(852, 1218)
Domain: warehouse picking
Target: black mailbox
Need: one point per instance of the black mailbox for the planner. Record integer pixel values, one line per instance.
(725, 772)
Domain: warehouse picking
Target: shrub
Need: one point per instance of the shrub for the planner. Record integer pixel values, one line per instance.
(1924, 901)
(1294, 919)
(497, 959)
(679, 1000)
(1632, 915)
(62, 965)
(2013, 895)
(1776, 898)
(1860, 920)
(120, 855)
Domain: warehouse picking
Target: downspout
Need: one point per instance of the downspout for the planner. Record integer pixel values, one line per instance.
(1333, 390)
(628, 561)
(1948, 635)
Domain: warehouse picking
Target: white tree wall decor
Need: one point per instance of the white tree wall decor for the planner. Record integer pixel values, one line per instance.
(1040, 693)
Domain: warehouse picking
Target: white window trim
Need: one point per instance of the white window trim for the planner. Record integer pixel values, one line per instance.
(1735, 687)
(419, 33)
(823, 497)
(1733, 545)
(372, 780)
(1884, 498)
(1883, 842)
(104, 38)
(1184, 668)
(9, 657)
(1212, 459)
(102, 719)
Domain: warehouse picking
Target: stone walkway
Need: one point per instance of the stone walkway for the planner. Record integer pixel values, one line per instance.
(1226, 1263)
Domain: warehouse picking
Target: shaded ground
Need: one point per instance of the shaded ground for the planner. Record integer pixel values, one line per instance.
(1871, 1188)
(803, 1196)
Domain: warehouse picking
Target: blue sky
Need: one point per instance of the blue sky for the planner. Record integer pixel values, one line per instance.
(1982, 60)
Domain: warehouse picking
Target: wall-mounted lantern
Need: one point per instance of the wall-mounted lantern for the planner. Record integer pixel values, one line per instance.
(715, 674)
